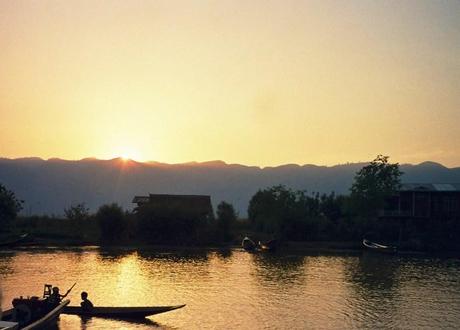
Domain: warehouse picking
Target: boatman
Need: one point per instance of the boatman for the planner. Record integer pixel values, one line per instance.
(86, 304)
(55, 298)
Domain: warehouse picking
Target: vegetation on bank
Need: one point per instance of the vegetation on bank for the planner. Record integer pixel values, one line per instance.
(275, 212)
(10, 206)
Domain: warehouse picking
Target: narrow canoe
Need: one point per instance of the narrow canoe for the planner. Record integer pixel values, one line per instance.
(120, 312)
(372, 246)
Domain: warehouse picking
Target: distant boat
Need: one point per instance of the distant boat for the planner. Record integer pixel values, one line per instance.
(120, 312)
(248, 244)
(14, 241)
(372, 246)
(268, 246)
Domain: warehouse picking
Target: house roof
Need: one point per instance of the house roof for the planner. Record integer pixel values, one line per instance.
(188, 206)
(178, 196)
(430, 187)
(141, 199)
(168, 197)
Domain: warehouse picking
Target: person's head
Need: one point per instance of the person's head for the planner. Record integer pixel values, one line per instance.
(84, 295)
(55, 289)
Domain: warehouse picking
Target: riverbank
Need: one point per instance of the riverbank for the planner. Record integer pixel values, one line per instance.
(296, 248)
(66, 237)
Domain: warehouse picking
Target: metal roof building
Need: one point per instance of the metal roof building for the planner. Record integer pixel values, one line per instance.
(436, 201)
(183, 205)
(430, 187)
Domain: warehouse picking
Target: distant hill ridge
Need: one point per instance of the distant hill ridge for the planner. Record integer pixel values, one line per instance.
(48, 186)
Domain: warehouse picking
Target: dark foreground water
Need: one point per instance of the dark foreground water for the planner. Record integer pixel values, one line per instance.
(238, 290)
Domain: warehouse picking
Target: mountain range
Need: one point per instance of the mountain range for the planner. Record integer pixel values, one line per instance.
(49, 186)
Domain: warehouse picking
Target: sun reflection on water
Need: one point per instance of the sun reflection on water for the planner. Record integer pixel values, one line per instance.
(233, 289)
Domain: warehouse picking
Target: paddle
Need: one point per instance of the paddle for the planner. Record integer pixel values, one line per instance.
(68, 291)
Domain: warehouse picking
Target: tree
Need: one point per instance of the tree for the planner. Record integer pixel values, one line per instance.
(226, 217)
(77, 212)
(111, 220)
(373, 183)
(9, 206)
(275, 210)
(331, 206)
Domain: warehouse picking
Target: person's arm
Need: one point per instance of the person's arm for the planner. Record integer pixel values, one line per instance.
(68, 291)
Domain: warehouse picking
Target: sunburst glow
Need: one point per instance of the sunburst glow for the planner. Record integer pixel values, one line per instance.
(129, 154)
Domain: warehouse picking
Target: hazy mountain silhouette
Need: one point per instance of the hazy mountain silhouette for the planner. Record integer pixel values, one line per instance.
(48, 186)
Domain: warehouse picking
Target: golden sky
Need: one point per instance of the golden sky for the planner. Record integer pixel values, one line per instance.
(251, 82)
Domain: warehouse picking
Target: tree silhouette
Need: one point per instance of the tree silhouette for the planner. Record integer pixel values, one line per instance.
(9, 206)
(373, 183)
(77, 212)
(111, 219)
(226, 217)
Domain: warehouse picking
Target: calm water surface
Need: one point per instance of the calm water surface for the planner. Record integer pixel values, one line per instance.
(237, 290)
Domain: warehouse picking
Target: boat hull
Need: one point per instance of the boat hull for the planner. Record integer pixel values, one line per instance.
(375, 247)
(120, 312)
(269, 246)
(8, 325)
(42, 323)
(248, 244)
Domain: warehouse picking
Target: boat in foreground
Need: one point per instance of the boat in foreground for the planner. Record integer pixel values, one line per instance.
(26, 319)
(8, 325)
(372, 246)
(120, 312)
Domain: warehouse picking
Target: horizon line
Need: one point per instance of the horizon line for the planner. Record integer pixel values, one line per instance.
(215, 161)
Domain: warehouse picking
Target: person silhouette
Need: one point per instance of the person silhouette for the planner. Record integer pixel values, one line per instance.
(55, 298)
(86, 304)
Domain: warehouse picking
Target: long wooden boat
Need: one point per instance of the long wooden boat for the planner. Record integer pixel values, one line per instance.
(43, 322)
(372, 246)
(120, 312)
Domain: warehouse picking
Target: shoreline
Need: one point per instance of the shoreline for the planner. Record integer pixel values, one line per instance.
(307, 248)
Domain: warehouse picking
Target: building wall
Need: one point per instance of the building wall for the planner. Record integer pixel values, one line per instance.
(179, 206)
(424, 204)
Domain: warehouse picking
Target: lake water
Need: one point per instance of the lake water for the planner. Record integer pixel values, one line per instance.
(233, 289)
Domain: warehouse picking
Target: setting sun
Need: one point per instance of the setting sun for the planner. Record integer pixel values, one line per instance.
(131, 155)
(127, 153)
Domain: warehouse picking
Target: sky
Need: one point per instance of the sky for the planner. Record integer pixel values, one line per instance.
(252, 82)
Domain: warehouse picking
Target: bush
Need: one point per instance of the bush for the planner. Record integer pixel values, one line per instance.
(111, 220)
(226, 217)
(77, 212)
(9, 206)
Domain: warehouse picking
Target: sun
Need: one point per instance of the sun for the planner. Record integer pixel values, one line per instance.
(126, 155)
